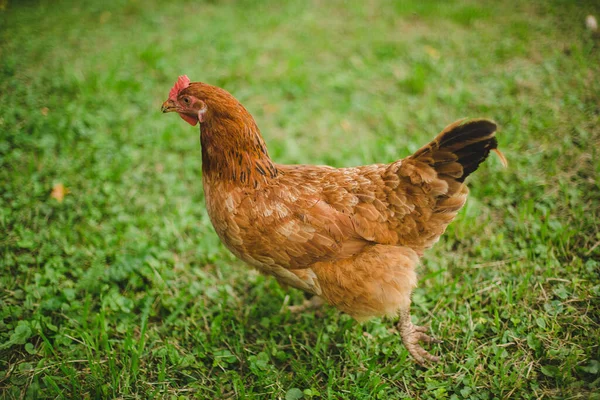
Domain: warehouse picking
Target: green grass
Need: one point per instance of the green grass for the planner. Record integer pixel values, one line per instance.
(123, 289)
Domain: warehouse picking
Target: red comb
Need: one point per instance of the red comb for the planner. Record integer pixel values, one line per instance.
(181, 84)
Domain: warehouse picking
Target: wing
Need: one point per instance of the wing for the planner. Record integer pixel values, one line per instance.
(405, 203)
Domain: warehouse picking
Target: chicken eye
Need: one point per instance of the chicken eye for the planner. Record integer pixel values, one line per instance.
(186, 100)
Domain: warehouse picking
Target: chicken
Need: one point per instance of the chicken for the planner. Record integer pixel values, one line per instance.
(351, 236)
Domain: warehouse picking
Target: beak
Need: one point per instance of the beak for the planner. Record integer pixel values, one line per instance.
(168, 106)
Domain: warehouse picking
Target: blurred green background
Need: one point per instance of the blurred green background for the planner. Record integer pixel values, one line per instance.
(113, 283)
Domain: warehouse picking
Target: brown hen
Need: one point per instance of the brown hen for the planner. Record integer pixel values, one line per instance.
(351, 236)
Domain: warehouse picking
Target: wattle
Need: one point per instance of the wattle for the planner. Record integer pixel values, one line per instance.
(190, 120)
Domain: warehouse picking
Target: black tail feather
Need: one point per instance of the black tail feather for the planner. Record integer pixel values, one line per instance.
(467, 142)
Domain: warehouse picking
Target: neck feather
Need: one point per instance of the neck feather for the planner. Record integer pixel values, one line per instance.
(233, 150)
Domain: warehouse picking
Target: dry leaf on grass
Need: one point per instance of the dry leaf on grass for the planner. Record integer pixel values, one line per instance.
(58, 192)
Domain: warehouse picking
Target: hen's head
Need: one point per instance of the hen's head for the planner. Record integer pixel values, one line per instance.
(199, 102)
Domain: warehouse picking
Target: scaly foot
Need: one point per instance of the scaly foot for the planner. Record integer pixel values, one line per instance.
(411, 336)
(312, 303)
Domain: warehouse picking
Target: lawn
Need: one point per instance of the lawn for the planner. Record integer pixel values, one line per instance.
(113, 283)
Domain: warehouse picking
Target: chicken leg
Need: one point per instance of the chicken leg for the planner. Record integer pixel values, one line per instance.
(412, 335)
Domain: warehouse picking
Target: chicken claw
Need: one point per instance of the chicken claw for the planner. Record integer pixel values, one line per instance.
(411, 336)
(310, 304)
